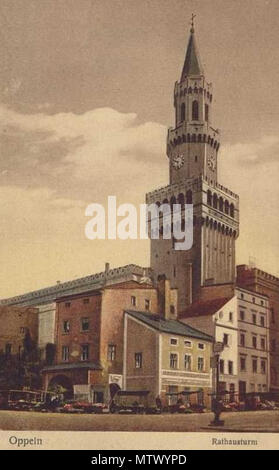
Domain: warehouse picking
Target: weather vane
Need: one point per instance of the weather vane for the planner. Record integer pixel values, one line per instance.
(192, 21)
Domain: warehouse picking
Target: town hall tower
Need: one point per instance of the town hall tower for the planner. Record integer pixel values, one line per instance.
(192, 150)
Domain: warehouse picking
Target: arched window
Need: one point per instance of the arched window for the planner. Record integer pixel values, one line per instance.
(180, 199)
(182, 112)
(215, 201)
(221, 204)
(172, 201)
(232, 210)
(209, 198)
(195, 111)
(206, 110)
(189, 197)
(226, 207)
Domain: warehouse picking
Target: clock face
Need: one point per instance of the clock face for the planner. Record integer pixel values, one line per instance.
(211, 162)
(177, 161)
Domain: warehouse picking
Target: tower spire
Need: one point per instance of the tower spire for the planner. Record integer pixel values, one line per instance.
(192, 64)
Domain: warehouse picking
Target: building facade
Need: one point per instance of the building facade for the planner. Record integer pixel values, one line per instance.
(15, 323)
(45, 299)
(192, 150)
(261, 282)
(218, 318)
(253, 342)
(89, 338)
(165, 357)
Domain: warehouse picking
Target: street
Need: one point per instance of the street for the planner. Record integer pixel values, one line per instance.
(253, 421)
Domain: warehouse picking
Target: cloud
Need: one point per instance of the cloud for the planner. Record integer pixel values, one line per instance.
(251, 170)
(71, 153)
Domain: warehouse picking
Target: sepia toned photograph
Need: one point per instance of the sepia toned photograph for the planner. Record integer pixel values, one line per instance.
(139, 277)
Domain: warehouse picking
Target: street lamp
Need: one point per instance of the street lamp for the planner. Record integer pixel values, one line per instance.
(217, 405)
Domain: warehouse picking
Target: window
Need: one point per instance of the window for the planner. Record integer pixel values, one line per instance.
(187, 344)
(206, 109)
(138, 360)
(86, 301)
(182, 112)
(242, 296)
(133, 300)
(226, 339)
(253, 300)
(273, 345)
(173, 361)
(172, 309)
(242, 315)
(8, 349)
(242, 339)
(85, 324)
(173, 341)
(254, 342)
(200, 364)
(262, 343)
(263, 367)
(187, 362)
(147, 304)
(66, 326)
(230, 367)
(231, 316)
(254, 318)
(254, 365)
(67, 304)
(200, 346)
(272, 315)
(195, 111)
(111, 352)
(221, 366)
(85, 352)
(243, 363)
(262, 321)
(65, 353)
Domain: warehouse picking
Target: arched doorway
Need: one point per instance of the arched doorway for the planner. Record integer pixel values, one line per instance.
(62, 383)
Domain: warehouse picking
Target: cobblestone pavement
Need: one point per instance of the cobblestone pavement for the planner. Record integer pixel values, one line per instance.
(259, 421)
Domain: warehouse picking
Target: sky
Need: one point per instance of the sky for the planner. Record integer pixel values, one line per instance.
(86, 97)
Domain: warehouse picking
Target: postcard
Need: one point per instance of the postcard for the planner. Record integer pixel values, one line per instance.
(139, 293)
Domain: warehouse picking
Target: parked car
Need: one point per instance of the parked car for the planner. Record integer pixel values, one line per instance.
(74, 406)
(181, 402)
(133, 402)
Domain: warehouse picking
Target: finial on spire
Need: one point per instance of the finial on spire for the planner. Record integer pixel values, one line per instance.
(192, 23)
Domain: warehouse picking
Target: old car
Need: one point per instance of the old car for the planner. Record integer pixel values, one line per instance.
(133, 402)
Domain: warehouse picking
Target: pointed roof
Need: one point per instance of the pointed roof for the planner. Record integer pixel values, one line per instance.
(192, 64)
(157, 322)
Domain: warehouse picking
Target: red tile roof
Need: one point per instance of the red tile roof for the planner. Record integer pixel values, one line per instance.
(207, 307)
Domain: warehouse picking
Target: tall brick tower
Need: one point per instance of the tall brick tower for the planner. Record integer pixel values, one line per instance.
(192, 150)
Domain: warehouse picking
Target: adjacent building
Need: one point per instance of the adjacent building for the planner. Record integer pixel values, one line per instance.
(266, 284)
(253, 341)
(89, 338)
(218, 318)
(15, 323)
(165, 357)
(45, 299)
